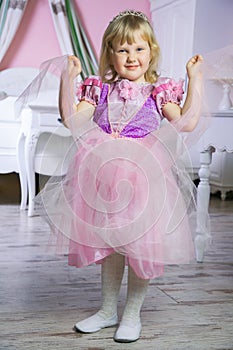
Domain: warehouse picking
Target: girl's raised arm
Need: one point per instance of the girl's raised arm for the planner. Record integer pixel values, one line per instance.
(67, 106)
(194, 92)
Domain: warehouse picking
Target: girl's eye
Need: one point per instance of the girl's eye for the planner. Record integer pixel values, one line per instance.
(140, 49)
(121, 50)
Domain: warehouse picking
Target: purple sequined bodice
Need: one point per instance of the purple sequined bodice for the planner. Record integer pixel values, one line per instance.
(142, 119)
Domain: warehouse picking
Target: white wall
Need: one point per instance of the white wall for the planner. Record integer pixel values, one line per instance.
(213, 31)
(187, 27)
(213, 25)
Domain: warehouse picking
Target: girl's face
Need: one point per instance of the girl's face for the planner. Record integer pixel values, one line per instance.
(131, 61)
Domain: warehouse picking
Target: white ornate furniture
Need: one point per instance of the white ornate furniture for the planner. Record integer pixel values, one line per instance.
(219, 136)
(42, 140)
(12, 82)
(221, 173)
(179, 26)
(9, 129)
(42, 145)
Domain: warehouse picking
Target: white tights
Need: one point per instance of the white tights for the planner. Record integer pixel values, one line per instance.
(111, 275)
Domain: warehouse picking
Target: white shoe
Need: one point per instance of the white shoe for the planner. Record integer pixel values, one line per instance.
(128, 332)
(95, 323)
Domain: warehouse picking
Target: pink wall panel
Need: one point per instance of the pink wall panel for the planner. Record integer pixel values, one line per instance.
(36, 39)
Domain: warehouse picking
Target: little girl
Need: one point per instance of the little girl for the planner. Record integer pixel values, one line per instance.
(126, 198)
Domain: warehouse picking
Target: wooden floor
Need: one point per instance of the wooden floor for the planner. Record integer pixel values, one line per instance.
(191, 307)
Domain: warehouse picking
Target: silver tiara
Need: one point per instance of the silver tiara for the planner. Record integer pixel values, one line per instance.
(132, 13)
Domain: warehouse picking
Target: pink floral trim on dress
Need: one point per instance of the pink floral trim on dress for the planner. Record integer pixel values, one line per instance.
(131, 90)
(128, 90)
(168, 90)
(89, 90)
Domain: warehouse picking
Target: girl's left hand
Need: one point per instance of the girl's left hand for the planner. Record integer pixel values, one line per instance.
(193, 66)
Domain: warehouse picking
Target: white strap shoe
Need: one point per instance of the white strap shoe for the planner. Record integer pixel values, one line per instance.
(95, 323)
(128, 332)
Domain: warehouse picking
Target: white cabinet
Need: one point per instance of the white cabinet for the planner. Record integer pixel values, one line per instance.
(9, 130)
(12, 83)
(173, 23)
(43, 147)
(36, 142)
(184, 28)
(221, 173)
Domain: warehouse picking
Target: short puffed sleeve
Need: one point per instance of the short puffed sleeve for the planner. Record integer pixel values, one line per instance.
(167, 90)
(89, 90)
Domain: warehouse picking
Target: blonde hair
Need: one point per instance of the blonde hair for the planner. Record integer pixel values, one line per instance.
(121, 29)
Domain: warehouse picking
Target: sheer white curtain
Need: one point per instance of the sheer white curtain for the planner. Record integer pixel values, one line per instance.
(11, 13)
(61, 26)
(71, 35)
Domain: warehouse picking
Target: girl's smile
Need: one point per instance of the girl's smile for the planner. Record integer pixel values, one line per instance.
(132, 67)
(131, 61)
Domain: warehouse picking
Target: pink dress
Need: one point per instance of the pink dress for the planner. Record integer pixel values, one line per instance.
(127, 189)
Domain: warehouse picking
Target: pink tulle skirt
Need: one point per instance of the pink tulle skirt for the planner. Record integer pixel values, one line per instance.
(129, 196)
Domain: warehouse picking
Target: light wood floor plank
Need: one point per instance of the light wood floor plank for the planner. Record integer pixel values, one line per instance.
(41, 298)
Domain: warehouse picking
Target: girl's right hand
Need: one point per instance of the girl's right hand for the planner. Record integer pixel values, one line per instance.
(74, 67)
(193, 66)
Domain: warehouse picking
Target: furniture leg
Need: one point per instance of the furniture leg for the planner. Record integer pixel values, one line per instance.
(30, 146)
(203, 196)
(22, 170)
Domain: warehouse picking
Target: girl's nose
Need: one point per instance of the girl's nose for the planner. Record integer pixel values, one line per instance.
(131, 57)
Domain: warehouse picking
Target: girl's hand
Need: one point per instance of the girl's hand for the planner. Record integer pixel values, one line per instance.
(74, 67)
(193, 66)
